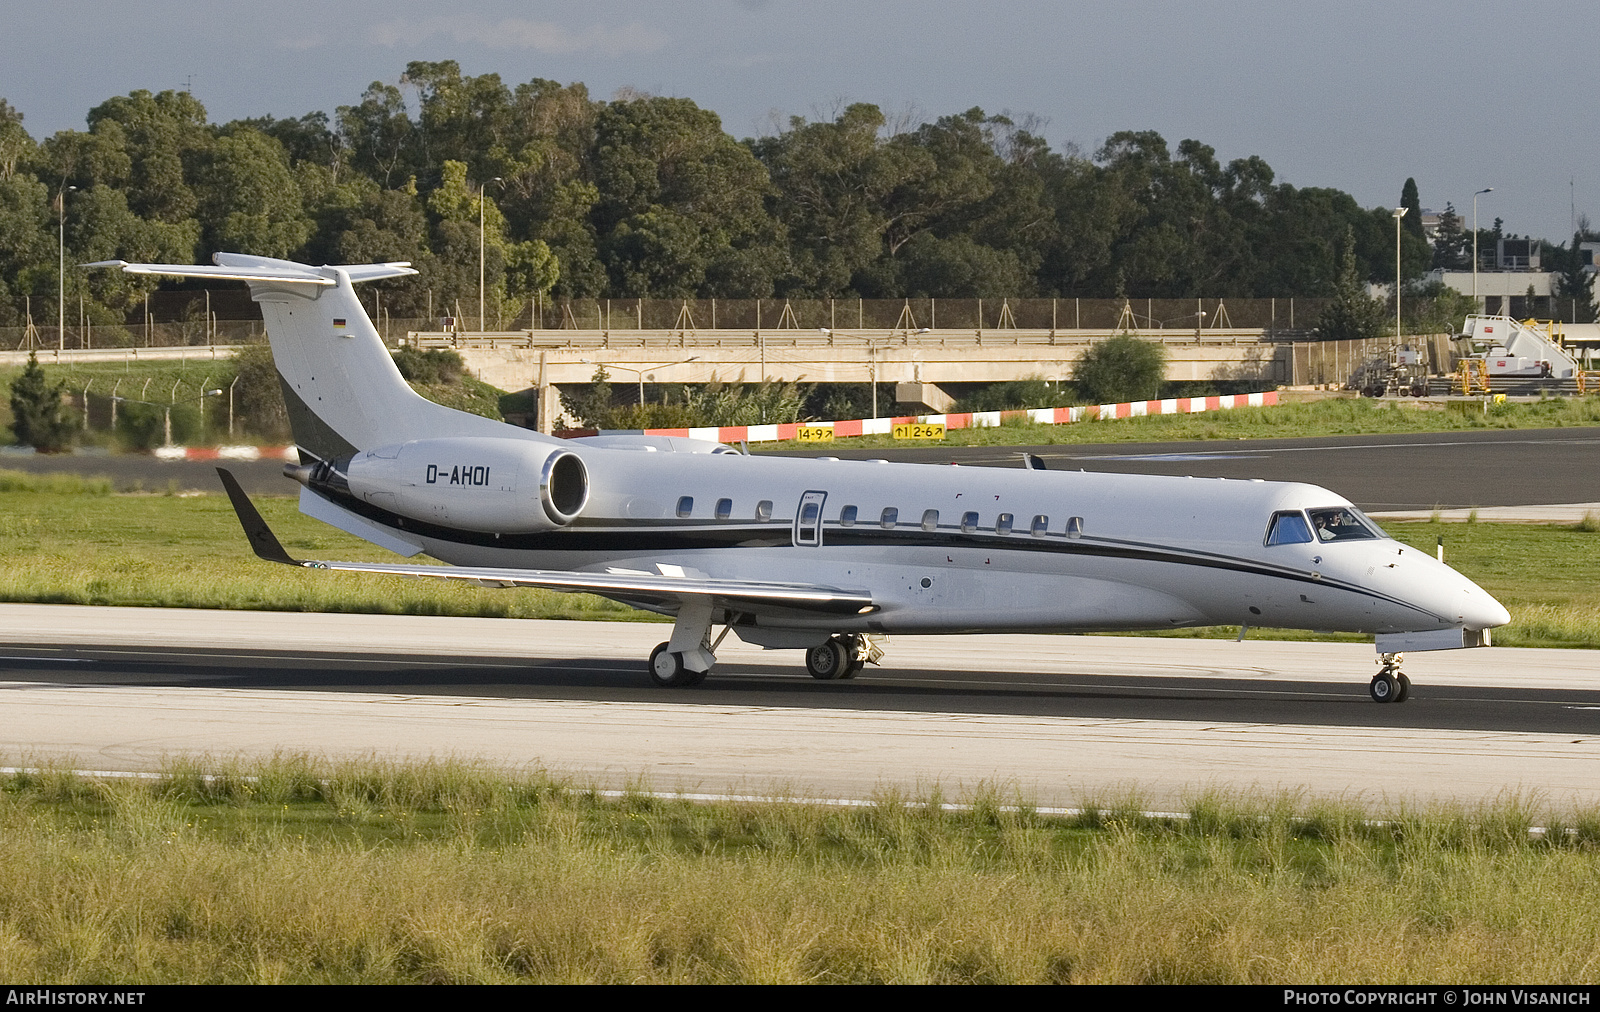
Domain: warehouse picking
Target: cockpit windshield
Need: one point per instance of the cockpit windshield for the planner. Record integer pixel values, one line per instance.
(1288, 528)
(1343, 523)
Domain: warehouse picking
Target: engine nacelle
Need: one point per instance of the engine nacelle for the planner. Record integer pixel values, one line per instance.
(510, 486)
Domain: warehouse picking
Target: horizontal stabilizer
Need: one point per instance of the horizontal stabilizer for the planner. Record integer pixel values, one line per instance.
(636, 586)
(303, 276)
(242, 267)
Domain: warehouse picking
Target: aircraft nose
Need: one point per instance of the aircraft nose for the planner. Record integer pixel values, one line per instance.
(1484, 612)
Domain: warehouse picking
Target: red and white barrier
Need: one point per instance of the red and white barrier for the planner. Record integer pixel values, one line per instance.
(969, 420)
(288, 453)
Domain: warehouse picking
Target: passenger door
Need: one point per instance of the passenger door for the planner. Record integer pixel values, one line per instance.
(808, 520)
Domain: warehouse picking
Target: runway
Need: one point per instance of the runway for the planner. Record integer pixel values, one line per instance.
(1400, 471)
(1061, 719)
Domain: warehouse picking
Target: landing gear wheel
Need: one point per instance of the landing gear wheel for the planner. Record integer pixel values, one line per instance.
(829, 661)
(1405, 688)
(667, 670)
(854, 668)
(1384, 688)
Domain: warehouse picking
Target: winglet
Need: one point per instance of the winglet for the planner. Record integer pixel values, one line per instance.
(262, 539)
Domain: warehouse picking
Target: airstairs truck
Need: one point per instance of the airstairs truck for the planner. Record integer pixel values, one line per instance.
(1508, 347)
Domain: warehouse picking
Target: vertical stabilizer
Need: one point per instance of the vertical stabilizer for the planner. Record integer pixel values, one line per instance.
(340, 383)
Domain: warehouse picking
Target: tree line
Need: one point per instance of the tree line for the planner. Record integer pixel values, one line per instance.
(648, 196)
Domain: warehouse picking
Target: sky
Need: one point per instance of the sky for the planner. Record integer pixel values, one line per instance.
(1351, 94)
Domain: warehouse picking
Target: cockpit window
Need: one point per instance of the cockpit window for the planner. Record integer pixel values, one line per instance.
(1341, 524)
(1288, 528)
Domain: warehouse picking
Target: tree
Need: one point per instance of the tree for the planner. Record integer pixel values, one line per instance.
(1353, 314)
(1452, 250)
(1574, 285)
(1121, 368)
(250, 202)
(37, 416)
(161, 135)
(1412, 202)
(15, 144)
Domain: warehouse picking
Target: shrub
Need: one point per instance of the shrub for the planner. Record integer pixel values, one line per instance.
(1122, 368)
(433, 367)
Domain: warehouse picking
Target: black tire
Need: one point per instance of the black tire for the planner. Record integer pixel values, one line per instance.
(667, 670)
(1384, 688)
(828, 662)
(1405, 688)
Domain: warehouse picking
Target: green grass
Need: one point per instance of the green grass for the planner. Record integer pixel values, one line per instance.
(295, 871)
(71, 540)
(162, 382)
(63, 545)
(1332, 417)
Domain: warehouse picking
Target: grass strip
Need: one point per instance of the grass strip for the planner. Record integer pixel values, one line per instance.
(296, 870)
(1330, 417)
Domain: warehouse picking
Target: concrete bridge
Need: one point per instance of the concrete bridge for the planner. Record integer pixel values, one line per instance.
(919, 363)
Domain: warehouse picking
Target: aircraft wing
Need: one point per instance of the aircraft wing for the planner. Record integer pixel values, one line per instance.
(647, 587)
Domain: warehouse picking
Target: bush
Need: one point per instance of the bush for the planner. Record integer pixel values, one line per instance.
(434, 367)
(1122, 368)
(1028, 392)
(143, 426)
(258, 398)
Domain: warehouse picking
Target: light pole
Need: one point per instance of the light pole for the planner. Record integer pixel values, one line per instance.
(640, 372)
(1475, 197)
(61, 269)
(872, 352)
(481, 197)
(1399, 212)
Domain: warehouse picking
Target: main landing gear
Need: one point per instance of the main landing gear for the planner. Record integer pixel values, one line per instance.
(1390, 685)
(841, 657)
(686, 659)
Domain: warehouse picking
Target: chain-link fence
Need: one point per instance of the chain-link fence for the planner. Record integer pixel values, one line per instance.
(914, 314)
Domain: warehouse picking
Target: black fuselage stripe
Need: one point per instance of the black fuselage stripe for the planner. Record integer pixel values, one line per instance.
(692, 535)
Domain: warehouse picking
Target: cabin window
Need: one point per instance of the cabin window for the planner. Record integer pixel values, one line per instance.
(1341, 524)
(764, 510)
(847, 517)
(1041, 526)
(685, 505)
(891, 516)
(1002, 523)
(1074, 527)
(969, 522)
(808, 531)
(1288, 528)
(930, 520)
(724, 509)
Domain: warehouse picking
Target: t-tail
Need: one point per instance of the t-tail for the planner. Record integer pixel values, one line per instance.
(340, 384)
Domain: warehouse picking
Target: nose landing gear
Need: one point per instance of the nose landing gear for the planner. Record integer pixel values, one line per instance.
(1390, 685)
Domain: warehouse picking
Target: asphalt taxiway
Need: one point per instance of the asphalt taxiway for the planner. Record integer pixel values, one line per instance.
(1403, 471)
(1060, 718)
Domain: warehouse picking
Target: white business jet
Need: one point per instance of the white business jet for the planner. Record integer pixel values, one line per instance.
(824, 555)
